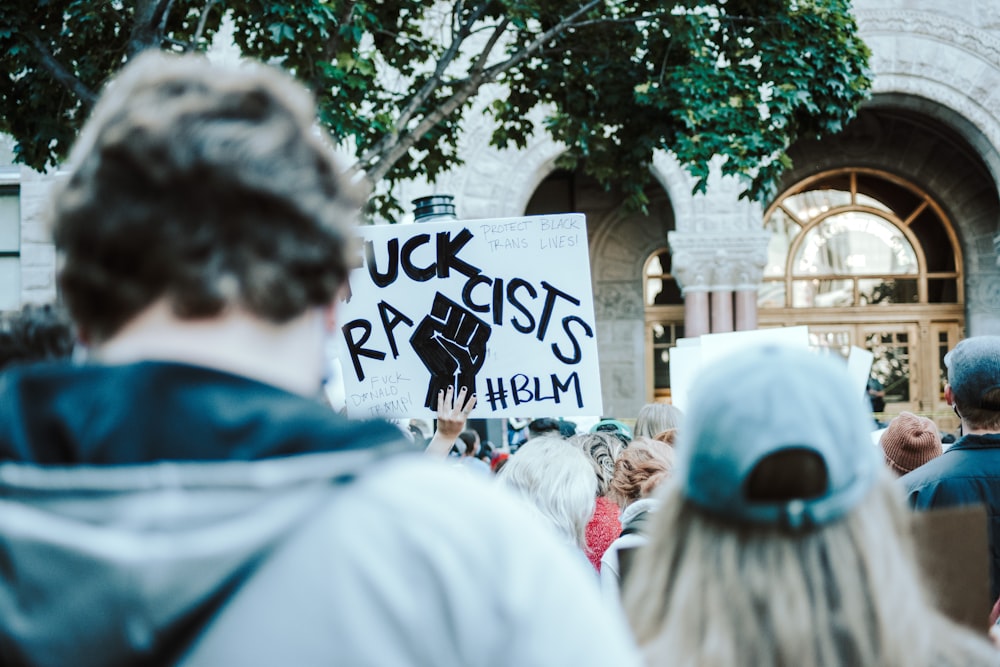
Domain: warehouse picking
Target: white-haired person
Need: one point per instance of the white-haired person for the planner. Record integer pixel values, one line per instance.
(639, 470)
(655, 418)
(556, 479)
(782, 539)
(601, 449)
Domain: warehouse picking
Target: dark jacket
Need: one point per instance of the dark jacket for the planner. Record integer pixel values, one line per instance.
(967, 474)
(61, 414)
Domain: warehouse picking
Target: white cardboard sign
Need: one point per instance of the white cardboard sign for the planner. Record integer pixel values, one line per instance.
(501, 305)
(691, 354)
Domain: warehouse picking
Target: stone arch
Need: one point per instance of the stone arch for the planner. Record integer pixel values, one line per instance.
(921, 149)
(942, 67)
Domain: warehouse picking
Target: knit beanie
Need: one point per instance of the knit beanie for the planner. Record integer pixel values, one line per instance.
(909, 442)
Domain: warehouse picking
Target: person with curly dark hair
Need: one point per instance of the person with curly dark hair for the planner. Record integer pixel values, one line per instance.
(183, 498)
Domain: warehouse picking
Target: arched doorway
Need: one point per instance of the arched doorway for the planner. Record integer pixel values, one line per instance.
(864, 257)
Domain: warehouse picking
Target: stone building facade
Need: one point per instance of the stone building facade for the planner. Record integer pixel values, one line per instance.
(928, 138)
(886, 236)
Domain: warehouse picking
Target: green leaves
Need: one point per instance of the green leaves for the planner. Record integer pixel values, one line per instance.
(740, 79)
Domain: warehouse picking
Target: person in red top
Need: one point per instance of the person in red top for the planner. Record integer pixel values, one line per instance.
(601, 448)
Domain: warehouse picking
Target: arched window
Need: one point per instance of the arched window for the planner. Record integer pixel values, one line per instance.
(866, 258)
(659, 288)
(858, 237)
(664, 319)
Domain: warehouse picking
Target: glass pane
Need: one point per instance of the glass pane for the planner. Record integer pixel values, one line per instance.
(865, 200)
(855, 243)
(661, 367)
(659, 265)
(10, 221)
(872, 291)
(663, 292)
(808, 205)
(943, 348)
(822, 293)
(10, 283)
(891, 365)
(942, 290)
(783, 230)
(771, 294)
(831, 342)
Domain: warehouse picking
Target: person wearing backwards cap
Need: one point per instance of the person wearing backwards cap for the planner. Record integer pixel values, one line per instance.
(969, 472)
(782, 539)
(909, 442)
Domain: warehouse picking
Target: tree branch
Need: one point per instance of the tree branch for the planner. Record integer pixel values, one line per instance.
(61, 74)
(496, 70)
(422, 95)
(330, 48)
(150, 19)
(380, 159)
(480, 63)
(200, 30)
(446, 59)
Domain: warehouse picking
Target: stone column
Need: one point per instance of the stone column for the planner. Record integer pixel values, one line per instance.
(715, 269)
(746, 309)
(696, 312)
(692, 269)
(722, 310)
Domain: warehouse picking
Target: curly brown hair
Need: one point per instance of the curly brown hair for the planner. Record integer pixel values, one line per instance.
(639, 469)
(206, 185)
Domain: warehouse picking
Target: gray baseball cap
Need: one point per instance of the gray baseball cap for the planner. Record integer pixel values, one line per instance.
(974, 370)
(766, 400)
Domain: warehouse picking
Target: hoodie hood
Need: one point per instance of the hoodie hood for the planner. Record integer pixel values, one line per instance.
(61, 414)
(136, 499)
(125, 565)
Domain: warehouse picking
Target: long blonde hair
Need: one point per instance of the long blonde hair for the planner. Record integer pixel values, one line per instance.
(710, 593)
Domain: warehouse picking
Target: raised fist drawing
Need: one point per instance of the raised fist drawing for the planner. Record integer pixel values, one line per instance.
(451, 342)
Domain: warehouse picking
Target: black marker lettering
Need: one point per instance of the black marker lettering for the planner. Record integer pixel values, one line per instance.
(391, 272)
(406, 259)
(389, 324)
(512, 287)
(498, 301)
(356, 348)
(447, 254)
(550, 300)
(471, 284)
(577, 353)
(573, 380)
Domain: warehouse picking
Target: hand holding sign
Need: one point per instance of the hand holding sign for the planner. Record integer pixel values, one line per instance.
(451, 343)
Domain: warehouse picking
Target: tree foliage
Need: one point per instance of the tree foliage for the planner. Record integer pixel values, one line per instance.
(617, 79)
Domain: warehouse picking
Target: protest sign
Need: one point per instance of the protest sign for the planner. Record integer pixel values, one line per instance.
(954, 556)
(692, 354)
(502, 306)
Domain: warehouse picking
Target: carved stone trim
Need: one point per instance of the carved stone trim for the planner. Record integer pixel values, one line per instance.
(946, 60)
(716, 261)
(943, 28)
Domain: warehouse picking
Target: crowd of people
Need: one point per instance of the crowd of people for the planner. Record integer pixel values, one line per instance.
(183, 497)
